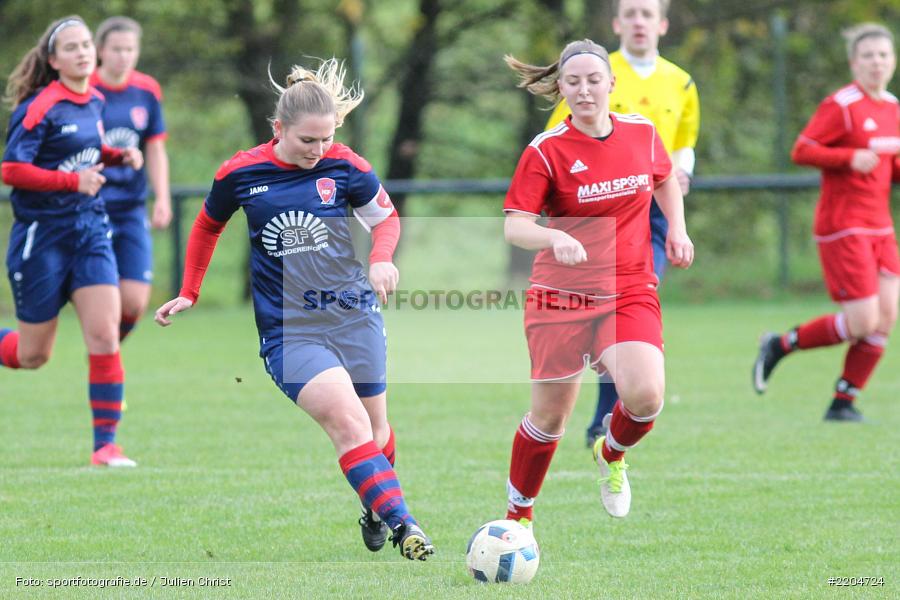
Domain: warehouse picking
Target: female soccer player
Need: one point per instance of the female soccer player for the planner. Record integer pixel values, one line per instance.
(649, 85)
(59, 247)
(854, 138)
(321, 332)
(593, 294)
(132, 118)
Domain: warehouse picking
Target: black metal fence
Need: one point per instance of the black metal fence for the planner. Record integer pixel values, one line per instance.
(779, 183)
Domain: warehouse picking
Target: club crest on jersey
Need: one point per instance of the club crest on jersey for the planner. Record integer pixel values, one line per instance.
(326, 188)
(294, 232)
(139, 117)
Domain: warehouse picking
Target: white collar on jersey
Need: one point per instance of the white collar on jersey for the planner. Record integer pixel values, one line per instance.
(644, 67)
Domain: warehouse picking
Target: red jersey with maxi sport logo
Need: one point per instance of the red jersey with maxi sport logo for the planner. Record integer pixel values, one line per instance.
(599, 192)
(852, 202)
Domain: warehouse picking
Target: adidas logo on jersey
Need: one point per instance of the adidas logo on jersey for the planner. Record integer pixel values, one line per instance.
(869, 124)
(578, 167)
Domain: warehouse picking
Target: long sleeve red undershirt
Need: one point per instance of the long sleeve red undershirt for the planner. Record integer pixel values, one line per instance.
(27, 176)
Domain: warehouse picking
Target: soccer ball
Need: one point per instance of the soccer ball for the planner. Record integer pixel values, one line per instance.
(503, 551)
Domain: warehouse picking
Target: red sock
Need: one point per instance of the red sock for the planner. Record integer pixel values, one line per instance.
(389, 449)
(826, 330)
(9, 349)
(861, 360)
(625, 430)
(532, 452)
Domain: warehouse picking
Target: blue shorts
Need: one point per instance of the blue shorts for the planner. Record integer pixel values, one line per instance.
(131, 242)
(359, 347)
(659, 229)
(48, 260)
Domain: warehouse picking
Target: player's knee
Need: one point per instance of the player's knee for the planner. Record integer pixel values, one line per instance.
(548, 422)
(102, 341)
(33, 359)
(350, 429)
(862, 324)
(887, 319)
(643, 397)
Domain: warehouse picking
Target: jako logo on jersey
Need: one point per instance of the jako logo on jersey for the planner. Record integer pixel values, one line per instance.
(67, 129)
(885, 145)
(326, 186)
(578, 167)
(293, 232)
(869, 124)
(139, 117)
(121, 137)
(258, 189)
(614, 188)
(80, 161)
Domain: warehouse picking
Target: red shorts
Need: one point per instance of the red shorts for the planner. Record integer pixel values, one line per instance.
(852, 264)
(566, 331)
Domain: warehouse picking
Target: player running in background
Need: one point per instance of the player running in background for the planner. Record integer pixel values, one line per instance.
(593, 294)
(132, 118)
(321, 332)
(649, 85)
(854, 138)
(59, 247)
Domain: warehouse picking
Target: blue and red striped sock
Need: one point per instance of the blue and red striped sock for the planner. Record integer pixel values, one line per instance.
(106, 380)
(9, 348)
(390, 447)
(373, 478)
(126, 325)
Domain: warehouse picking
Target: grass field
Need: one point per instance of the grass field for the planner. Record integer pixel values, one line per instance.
(734, 496)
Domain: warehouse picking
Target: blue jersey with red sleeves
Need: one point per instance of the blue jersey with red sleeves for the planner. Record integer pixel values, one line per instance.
(132, 116)
(55, 129)
(304, 272)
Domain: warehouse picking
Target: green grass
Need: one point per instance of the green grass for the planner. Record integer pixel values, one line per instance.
(734, 496)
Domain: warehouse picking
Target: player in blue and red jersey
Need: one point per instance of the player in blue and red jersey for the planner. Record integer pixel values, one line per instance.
(318, 316)
(132, 118)
(593, 291)
(59, 247)
(854, 137)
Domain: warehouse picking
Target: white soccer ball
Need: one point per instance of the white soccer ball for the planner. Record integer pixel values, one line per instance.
(503, 551)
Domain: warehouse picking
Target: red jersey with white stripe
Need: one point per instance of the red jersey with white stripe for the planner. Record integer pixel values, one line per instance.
(852, 202)
(599, 192)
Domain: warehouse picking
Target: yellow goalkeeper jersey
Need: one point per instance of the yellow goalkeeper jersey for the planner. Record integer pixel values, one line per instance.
(668, 97)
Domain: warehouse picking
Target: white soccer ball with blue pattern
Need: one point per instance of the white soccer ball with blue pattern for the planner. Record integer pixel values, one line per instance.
(503, 552)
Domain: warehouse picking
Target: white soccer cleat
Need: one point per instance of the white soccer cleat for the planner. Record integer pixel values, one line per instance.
(614, 489)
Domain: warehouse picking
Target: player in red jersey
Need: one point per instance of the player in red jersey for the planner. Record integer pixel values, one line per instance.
(854, 138)
(593, 292)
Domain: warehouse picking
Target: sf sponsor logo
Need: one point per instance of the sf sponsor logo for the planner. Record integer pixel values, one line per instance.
(121, 137)
(294, 232)
(80, 161)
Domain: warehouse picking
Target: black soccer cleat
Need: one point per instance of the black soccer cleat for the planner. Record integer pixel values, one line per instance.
(848, 414)
(374, 530)
(413, 542)
(770, 352)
